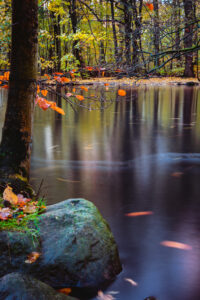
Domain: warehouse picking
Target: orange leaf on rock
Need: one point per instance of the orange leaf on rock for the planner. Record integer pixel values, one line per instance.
(121, 92)
(79, 97)
(9, 196)
(44, 92)
(32, 257)
(65, 291)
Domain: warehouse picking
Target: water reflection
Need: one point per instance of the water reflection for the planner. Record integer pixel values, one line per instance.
(139, 154)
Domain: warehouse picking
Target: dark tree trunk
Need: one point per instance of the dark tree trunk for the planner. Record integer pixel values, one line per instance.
(127, 30)
(177, 23)
(15, 148)
(156, 32)
(114, 30)
(57, 42)
(74, 21)
(188, 39)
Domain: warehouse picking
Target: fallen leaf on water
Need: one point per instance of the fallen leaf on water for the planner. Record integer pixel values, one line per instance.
(5, 213)
(132, 282)
(177, 174)
(177, 245)
(9, 196)
(67, 180)
(139, 213)
(32, 257)
(102, 296)
(65, 291)
(121, 92)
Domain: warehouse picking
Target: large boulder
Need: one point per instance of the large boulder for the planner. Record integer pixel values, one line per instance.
(76, 245)
(16, 286)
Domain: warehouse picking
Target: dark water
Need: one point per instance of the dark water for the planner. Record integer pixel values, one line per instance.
(141, 153)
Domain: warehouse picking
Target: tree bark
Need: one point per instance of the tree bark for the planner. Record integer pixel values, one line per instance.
(188, 38)
(15, 148)
(114, 30)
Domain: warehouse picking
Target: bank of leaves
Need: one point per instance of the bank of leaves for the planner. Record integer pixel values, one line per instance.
(18, 213)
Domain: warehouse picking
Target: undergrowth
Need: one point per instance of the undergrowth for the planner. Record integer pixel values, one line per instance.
(28, 223)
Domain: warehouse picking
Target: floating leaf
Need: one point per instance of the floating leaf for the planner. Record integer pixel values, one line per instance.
(121, 92)
(176, 245)
(32, 257)
(131, 281)
(44, 92)
(9, 196)
(79, 97)
(139, 213)
(177, 174)
(102, 296)
(65, 291)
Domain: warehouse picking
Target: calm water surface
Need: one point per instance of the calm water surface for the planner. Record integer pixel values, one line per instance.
(141, 153)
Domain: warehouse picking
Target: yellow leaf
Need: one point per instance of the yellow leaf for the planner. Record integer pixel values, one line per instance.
(9, 196)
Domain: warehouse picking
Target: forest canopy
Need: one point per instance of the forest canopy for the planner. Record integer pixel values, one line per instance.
(113, 37)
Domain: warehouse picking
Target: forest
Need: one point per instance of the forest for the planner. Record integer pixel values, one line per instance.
(112, 38)
(99, 149)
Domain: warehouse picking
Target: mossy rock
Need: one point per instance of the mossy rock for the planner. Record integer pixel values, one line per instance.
(76, 245)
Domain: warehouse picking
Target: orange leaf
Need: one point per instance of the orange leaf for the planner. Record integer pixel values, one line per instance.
(106, 84)
(139, 213)
(79, 97)
(32, 257)
(89, 68)
(38, 89)
(103, 73)
(65, 79)
(59, 110)
(6, 75)
(74, 90)
(176, 245)
(44, 92)
(43, 103)
(47, 76)
(57, 73)
(65, 291)
(121, 92)
(1, 77)
(150, 6)
(5, 86)
(0, 82)
(9, 196)
(84, 88)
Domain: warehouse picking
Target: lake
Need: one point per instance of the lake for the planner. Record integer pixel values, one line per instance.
(128, 154)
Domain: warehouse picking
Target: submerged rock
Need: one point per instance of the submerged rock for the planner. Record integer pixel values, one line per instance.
(16, 286)
(76, 245)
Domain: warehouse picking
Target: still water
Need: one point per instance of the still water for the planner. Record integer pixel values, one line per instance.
(137, 153)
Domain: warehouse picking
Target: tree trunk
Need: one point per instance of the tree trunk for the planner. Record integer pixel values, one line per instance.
(74, 21)
(188, 38)
(156, 32)
(15, 148)
(114, 30)
(128, 31)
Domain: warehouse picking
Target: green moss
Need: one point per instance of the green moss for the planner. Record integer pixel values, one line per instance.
(28, 224)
